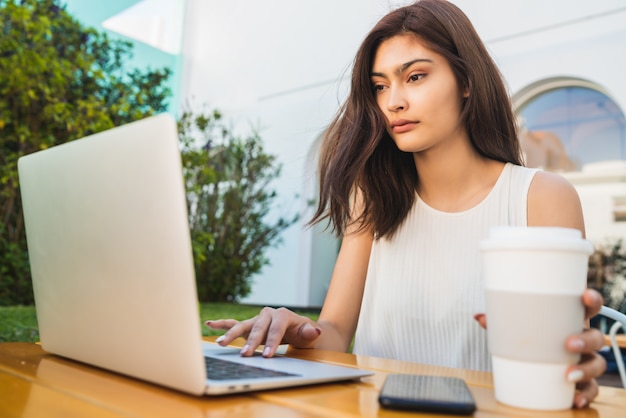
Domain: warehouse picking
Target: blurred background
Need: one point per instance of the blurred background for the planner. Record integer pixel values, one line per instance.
(282, 67)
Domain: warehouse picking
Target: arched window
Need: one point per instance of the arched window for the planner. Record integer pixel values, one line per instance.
(568, 123)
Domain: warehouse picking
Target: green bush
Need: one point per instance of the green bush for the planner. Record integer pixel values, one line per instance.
(228, 196)
(58, 81)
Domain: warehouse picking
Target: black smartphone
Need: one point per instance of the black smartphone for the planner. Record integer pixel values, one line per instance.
(437, 394)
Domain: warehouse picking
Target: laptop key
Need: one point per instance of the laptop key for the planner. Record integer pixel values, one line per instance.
(218, 369)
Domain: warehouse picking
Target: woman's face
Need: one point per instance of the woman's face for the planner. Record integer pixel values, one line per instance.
(418, 94)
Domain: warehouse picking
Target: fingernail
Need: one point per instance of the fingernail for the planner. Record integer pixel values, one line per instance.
(576, 344)
(266, 351)
(245, 349)
(220, 338)
(575, 376)
(318, 330)
(582, 402)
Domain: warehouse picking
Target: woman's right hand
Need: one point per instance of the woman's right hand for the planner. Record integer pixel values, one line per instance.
(270, 327)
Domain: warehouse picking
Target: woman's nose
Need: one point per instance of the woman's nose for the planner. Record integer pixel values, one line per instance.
(397, 100)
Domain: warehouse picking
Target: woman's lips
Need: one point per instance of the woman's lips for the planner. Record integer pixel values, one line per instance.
(401, 126)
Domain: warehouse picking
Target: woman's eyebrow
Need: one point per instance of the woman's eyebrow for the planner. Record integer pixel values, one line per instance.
(403, 67)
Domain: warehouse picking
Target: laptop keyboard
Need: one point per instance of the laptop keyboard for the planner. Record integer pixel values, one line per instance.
(218, 369)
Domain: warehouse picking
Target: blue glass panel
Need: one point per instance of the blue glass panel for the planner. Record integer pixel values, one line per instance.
(584, 123)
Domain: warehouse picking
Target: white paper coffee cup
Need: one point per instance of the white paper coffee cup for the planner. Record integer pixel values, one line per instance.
(534, 279)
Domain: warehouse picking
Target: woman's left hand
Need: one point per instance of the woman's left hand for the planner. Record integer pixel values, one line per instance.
(587, 344)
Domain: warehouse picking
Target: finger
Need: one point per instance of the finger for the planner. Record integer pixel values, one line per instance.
(590, 367)
(593, 303)
(225, 324)
(585, 393)
(589, 341)
(282, 318)
(238, 329)
(303, 333)
(258, 331)
(308, 334)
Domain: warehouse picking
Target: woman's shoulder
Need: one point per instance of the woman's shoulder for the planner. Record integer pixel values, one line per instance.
(546, 184)
(553, 201)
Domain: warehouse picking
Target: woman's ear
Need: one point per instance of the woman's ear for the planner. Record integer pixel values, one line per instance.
(466, 92)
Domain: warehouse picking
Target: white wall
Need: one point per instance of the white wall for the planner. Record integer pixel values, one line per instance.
(284, 64)
(602, 191)
(280, 64)
(585, 40)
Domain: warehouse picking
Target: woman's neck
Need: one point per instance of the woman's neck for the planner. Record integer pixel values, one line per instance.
(455, 180)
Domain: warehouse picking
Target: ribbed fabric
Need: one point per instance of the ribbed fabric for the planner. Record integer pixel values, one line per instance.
(425, 285)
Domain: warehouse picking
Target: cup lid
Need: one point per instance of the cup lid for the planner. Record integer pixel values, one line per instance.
(535, 237)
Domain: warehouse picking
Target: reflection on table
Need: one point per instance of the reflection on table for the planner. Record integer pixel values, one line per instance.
(34, 383)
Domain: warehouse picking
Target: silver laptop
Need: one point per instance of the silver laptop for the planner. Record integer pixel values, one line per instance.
(112, 268)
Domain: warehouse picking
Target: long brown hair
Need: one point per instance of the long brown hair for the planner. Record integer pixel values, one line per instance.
(359, 155)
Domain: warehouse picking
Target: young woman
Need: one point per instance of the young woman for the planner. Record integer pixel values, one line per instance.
(421, 161)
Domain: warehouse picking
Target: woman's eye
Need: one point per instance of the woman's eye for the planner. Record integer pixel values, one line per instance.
(378, 88)
(416, 77)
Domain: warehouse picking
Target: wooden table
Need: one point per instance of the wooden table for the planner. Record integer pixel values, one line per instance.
(36, 384)
(619, 338)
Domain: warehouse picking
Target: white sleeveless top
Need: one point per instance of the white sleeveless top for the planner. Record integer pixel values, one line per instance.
(424, 286)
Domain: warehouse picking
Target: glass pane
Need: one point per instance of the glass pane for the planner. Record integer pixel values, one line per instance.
(566, 128)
